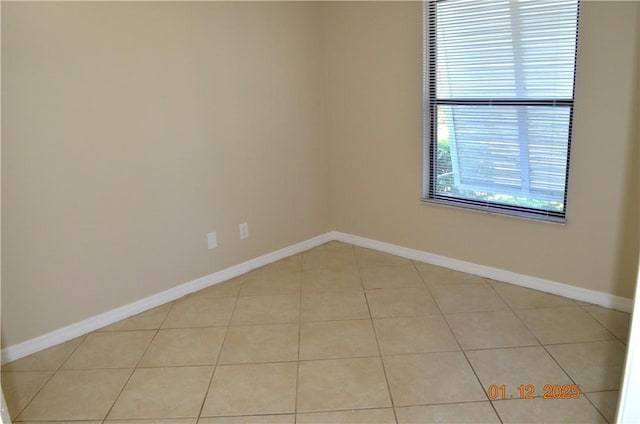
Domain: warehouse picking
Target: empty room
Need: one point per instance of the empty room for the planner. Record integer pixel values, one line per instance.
(320, 212)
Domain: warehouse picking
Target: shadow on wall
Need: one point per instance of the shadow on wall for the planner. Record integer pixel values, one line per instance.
(629, 243)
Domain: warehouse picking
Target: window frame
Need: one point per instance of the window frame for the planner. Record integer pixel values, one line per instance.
(430, 124)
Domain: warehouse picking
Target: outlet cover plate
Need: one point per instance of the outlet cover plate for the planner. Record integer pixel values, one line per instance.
(212, 240)
(244, 230)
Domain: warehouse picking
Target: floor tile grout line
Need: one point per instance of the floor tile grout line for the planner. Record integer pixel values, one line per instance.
(534, 335)
(84, 338)
(266, 324)
(459, 345)
(215, 365)
(133, 370)
(583, 342)
(515, 313)
(368, 408)
(598, 409)
(584, 308)
(595, 406)
(53, 374)
(603, 391)
(575, 305)
(119, 393)
(466, 357)
(546, 308)
(553, 358)
(196, 327)
(573, 380)
(315, 359)
(480, 349)
(516, 310)
(375, 334)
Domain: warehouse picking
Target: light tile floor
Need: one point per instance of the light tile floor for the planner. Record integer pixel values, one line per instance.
(338, 334)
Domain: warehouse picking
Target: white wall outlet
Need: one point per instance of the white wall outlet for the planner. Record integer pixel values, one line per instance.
(244, 231)
(212, 240)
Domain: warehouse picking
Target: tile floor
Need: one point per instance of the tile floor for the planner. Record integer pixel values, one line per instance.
(338, 334)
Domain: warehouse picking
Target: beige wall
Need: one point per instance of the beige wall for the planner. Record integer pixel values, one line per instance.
(374, 85)
(131, 130)
(629, 245)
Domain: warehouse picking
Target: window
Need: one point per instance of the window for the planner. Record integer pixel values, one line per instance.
(499, 88)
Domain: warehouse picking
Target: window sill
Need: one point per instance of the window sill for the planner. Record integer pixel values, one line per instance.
(495, 211)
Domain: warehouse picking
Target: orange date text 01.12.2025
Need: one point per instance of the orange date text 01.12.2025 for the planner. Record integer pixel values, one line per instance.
(528, 391)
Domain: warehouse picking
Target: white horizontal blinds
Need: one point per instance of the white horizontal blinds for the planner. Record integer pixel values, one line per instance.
(506, 49)
(490, 156)
(501, 96)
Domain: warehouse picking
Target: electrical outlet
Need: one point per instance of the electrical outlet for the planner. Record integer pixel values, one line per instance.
(244, 230)
(212, 240)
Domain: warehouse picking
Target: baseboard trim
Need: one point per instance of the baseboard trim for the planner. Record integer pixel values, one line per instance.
(88, 325)
(11, 353)
(577, 293)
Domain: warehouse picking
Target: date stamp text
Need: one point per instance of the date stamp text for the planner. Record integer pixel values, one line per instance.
(528, 391)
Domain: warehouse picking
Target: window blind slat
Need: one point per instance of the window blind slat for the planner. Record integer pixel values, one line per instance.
(520, 55)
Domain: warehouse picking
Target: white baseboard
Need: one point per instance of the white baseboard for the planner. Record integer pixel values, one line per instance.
(72, 331)
(577, 293)
(11, 353)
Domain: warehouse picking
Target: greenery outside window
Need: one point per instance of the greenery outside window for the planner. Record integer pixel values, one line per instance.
(499, 91)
